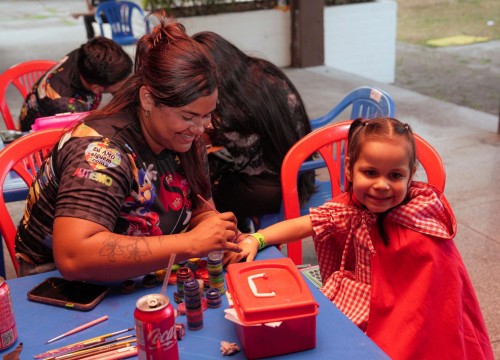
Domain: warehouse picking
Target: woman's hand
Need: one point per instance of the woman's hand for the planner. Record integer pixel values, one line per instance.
(249, 246)
(215, 233)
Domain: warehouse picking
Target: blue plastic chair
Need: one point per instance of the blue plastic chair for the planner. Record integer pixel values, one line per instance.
(366, 102)
(120, 16)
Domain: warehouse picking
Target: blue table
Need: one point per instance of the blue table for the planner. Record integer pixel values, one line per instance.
(337, 336)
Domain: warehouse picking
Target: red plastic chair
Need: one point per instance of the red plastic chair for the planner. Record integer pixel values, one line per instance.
(23, 156)
(23, 76)
(329, 141)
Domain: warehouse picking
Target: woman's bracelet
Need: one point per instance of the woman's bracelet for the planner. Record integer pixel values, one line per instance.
(260, 239)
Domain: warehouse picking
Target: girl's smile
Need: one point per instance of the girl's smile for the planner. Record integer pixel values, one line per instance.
(381, 174)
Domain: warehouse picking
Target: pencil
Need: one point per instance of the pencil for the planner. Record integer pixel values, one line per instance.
(79, 328)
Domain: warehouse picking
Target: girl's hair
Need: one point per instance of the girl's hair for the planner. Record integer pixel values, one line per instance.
(383, 129)
(256, 97)
(177, 71)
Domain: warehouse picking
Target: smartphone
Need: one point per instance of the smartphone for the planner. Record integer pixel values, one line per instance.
(78, 295)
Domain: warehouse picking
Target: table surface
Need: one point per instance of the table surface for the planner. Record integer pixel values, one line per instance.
(337, 336)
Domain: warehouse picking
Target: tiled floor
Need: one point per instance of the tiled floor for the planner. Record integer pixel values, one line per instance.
(466, 139)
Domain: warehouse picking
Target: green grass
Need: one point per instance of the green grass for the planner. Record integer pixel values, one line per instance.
(422, 20)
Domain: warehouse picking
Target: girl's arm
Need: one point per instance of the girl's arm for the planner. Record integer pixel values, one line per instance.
(287, 231)
(283, 232)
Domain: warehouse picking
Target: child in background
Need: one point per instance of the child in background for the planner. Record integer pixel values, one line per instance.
(386, 252)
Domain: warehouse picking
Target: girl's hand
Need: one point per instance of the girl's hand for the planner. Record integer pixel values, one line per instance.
(249, 246)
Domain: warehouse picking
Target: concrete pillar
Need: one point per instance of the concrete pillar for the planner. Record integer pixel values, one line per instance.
(307, 33)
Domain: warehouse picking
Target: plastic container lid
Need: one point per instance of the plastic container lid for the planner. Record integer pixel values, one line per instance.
(57, 121)
(266, 291)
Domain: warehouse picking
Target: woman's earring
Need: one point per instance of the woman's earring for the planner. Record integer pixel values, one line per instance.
(148, 113)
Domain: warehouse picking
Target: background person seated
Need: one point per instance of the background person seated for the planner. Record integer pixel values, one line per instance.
(89, 16)
(77, 82)
(259, 116)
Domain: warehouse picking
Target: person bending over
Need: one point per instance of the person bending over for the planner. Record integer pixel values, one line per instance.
(77, 82)
(118, 194)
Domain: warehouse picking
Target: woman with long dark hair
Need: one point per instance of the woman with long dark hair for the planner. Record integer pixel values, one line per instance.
(259, 116)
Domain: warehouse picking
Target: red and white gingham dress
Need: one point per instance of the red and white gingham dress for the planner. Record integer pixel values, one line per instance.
(344, 236)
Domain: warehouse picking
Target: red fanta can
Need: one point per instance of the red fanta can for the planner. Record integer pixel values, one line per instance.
(155, 328)
(8, 330)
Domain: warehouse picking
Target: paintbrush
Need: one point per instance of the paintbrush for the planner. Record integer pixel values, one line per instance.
(89, 348)
(80, 344)
(115, 354)
(238, 232)
(80, 354)
(80, 328)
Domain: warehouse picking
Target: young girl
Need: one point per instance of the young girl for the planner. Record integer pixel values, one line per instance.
(386, 253)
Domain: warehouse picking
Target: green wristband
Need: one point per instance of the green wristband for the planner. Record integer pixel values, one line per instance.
(261, 240)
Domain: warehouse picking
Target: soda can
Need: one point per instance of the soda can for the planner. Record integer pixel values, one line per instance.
(155, 328)
(8, 329)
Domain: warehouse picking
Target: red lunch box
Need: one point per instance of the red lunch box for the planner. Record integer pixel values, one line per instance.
(272, 307)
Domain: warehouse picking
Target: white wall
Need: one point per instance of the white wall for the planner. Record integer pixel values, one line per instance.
(263, 33)
(361, 39)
